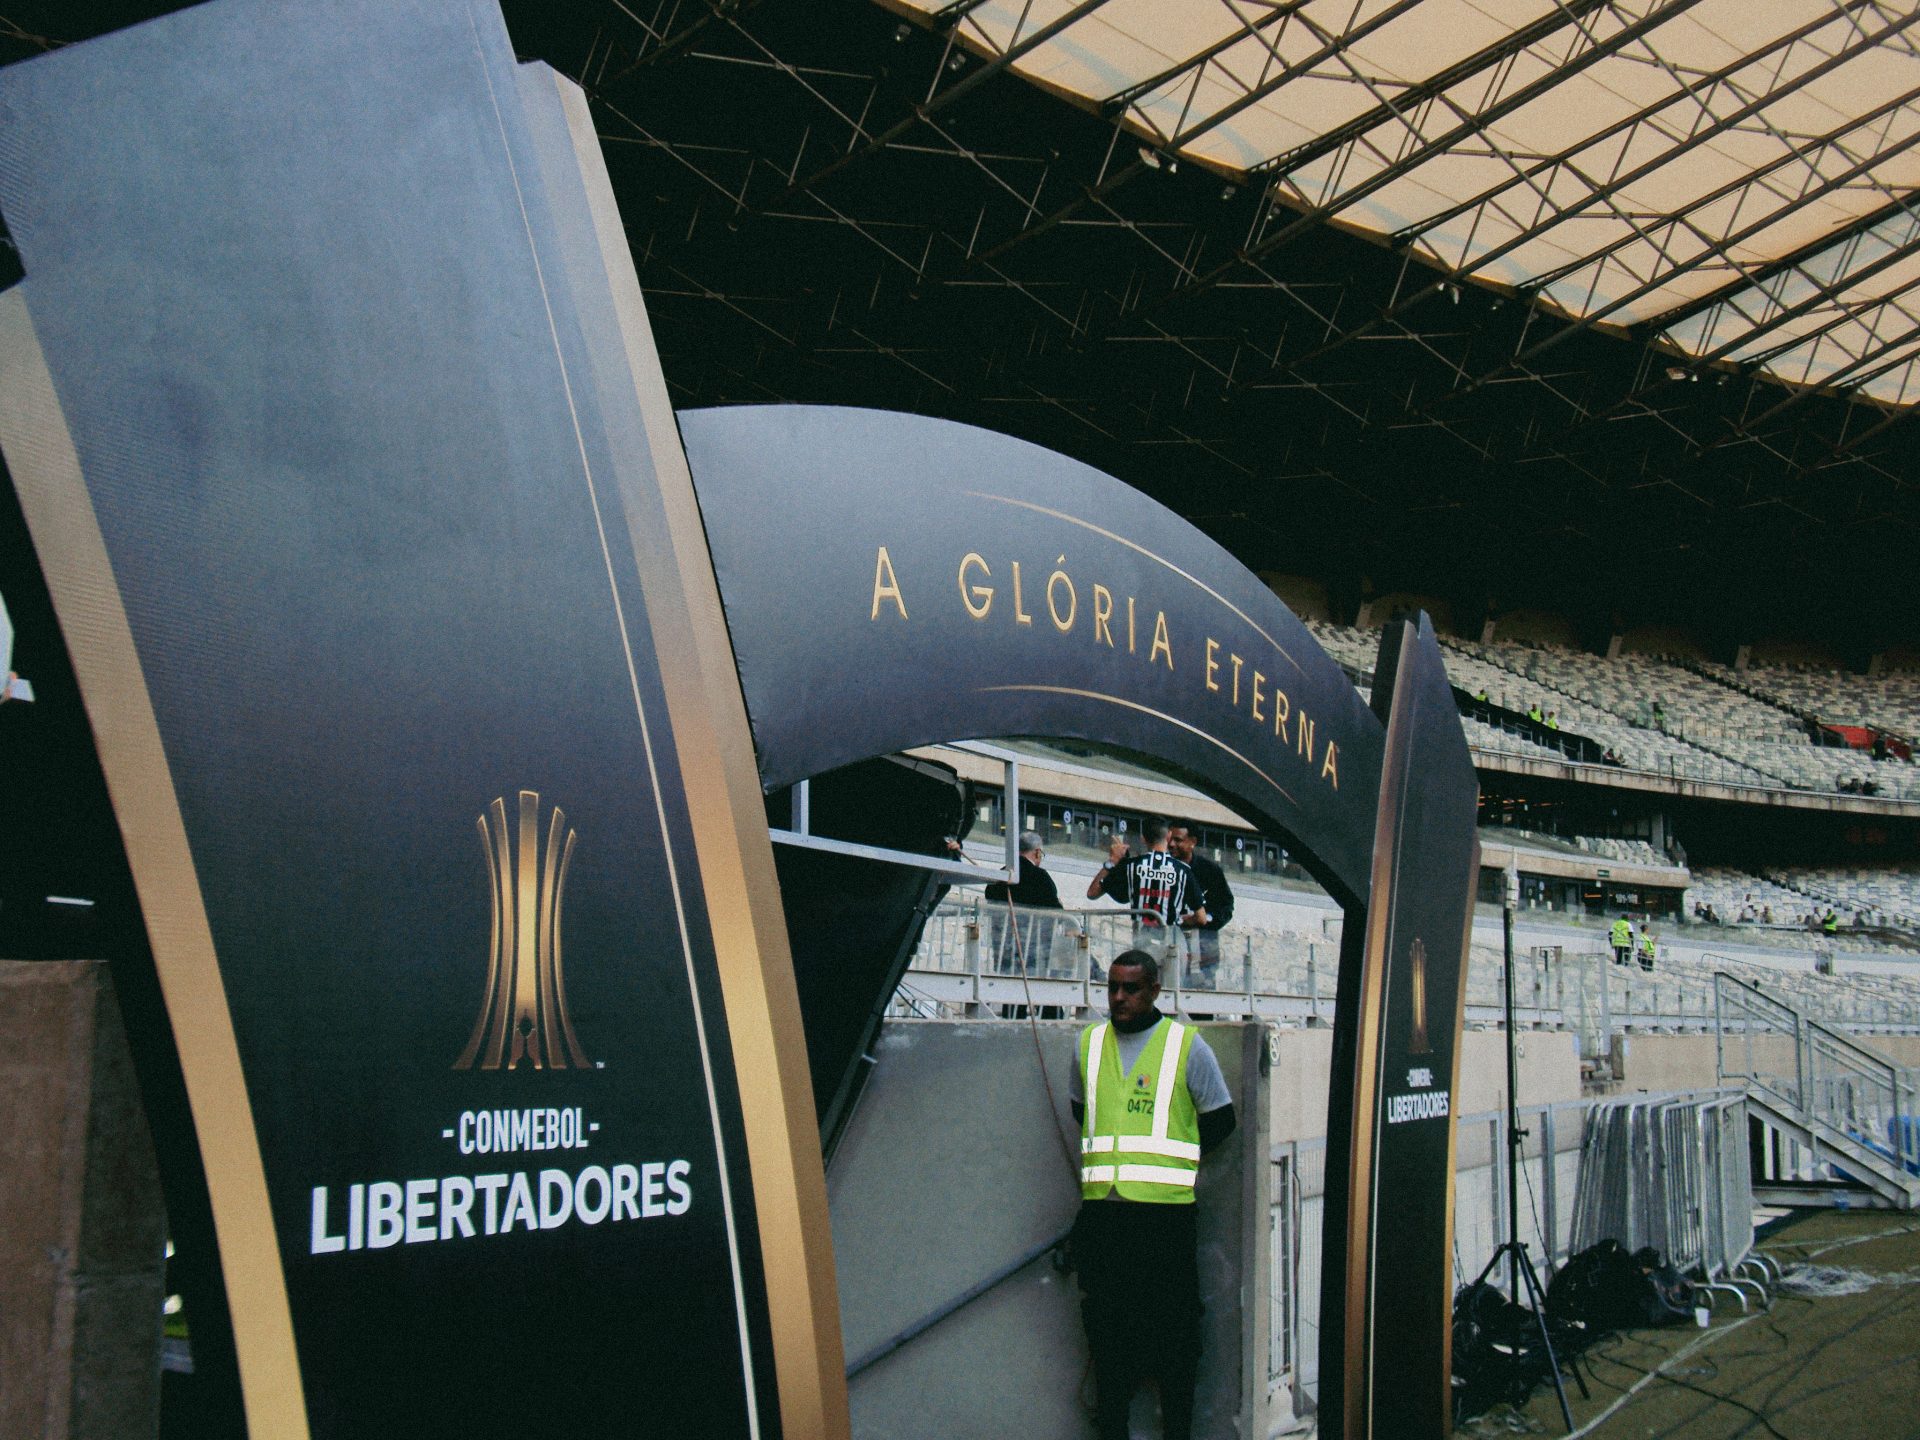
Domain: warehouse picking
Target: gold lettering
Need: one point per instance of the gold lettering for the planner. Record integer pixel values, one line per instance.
(1257, 679)
(1160, 641)
(885, 587)
(1303, 736)
(1213, 663)
(971, 593)
(1073, 599)
(1020, 617)
(1102, 613)
(1282, 707)
(1129, 624)
(1237, 663)
(1328, 770)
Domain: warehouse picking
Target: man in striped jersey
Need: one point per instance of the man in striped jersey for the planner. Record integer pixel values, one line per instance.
(1156, 887)
(1150, 1098)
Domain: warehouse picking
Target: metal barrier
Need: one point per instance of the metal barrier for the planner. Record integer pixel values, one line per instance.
(1671, 1174)
(978, 957)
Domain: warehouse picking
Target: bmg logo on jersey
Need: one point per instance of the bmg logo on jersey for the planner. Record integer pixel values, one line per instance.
(523, 1010)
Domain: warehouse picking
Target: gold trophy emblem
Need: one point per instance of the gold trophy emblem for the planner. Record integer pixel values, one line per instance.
(1417, 958)
(523, 1011)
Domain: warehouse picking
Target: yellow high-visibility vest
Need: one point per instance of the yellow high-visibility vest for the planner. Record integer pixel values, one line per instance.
(1140, 1136)
(1622, 934)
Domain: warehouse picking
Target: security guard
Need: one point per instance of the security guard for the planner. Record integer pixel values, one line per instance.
(1622, 941)
(1150, 1098)
(1646, 947)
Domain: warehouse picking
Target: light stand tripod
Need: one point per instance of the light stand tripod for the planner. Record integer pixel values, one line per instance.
(1519, 1263)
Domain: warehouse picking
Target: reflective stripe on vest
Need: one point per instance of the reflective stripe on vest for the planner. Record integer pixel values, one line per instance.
(1151, 1157)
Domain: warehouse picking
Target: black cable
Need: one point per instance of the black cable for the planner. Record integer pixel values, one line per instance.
(1699, 1390)
(1533, 1204)
(1033, 1029)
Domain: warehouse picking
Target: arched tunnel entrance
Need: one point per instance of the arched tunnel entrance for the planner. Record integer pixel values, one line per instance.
(931, 582)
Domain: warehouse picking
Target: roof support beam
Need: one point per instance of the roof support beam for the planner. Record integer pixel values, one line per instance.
(1819, 293)
(1474, 126)
(1427, 150)
(1403, 100)
(1098, 193)
(1864, 367)
(665, 46)
(1721, 248)
(1329, 49)
(1121, 100)
(1605, 193)
(1793, 260)
(973, 81)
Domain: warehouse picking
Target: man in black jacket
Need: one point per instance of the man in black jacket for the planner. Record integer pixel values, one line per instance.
(1027, 945)
(1213, 907)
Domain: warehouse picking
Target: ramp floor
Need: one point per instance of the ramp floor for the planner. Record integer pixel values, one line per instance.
(1836, 1357)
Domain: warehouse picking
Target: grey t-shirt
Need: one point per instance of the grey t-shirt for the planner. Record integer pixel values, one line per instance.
(1204, 1081)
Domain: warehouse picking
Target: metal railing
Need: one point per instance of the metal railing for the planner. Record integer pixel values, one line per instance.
(979, 958)
(1811, 1068)
(1575, 1172)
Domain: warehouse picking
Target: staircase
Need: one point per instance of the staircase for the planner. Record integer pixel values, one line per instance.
(1850, 1108)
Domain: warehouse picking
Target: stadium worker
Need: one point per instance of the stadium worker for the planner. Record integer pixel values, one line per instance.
(1150, 1099)
(1156, 886)
(1028, 945)
(1646, 946)
(1213, 905)
(1622, 941)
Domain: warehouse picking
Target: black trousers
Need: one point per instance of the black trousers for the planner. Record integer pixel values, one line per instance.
(1140, 1301)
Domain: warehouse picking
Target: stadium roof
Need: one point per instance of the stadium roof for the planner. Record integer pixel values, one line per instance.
(1603, 305)
(1734, 174)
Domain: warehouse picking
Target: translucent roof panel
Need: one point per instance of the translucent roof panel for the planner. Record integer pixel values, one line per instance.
(1701, 168)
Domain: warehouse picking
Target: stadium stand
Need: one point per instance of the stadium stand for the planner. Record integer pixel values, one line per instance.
(1889, 701)
(1680, 717)
(1879, 896)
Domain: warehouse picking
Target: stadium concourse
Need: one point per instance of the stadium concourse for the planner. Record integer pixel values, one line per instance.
(1589, 327)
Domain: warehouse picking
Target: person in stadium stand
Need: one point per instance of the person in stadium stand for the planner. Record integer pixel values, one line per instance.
(1552, 722)
(1157, 887)
(1036, 891)
(1150, 1100)
(1622, 938)
(1215, 902)
(1534, 713)
(1646, 946)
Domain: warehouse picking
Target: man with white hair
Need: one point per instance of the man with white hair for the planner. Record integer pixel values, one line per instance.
(1027, 944)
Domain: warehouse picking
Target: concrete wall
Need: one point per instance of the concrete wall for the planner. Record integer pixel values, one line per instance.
(82, 1227)
(1548, 1066)
(957, 1161)
(1689, 1062)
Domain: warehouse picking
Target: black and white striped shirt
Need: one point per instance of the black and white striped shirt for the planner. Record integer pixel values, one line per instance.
(1155, 883)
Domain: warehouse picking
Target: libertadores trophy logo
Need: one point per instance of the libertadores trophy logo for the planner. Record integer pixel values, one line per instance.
(523, 1011)
(1419, 1044)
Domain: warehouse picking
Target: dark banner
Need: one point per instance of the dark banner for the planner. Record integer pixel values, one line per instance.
(332, 413)
(892, 580)
(1386, 1288)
